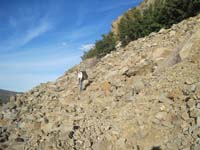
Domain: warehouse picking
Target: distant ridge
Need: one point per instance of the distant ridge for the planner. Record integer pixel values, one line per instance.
(5, 95)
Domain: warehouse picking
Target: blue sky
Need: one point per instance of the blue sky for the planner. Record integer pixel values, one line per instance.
(41, 39)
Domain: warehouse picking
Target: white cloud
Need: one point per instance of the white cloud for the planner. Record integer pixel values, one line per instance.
(35, 32)
(18, 40)
(86, 47)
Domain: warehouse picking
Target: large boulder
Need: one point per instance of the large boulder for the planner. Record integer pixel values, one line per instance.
(187, 48)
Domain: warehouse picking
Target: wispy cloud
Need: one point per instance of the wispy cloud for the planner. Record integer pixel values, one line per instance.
(24, 24)
(20, 39)
(41, 40)
(35, 32)
(86, 47)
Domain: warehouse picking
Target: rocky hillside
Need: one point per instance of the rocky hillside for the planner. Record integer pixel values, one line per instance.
(145, 96)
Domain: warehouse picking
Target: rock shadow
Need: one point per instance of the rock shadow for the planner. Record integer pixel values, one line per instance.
(156, 148)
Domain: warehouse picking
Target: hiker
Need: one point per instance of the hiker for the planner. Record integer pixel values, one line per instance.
(82, 75)
(80, 80)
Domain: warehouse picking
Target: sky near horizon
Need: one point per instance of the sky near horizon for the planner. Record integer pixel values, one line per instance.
(41, 39)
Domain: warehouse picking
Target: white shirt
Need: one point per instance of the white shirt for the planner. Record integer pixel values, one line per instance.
(80, 75)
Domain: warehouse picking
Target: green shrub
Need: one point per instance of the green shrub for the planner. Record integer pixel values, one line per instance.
(102, 47)
(91, 53)
(162, 14)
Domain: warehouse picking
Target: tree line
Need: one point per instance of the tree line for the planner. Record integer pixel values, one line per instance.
(136, 24)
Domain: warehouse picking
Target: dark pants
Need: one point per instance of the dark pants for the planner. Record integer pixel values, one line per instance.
(80, 84)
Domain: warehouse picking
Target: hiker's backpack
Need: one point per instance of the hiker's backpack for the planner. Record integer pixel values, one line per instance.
(85, 76)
